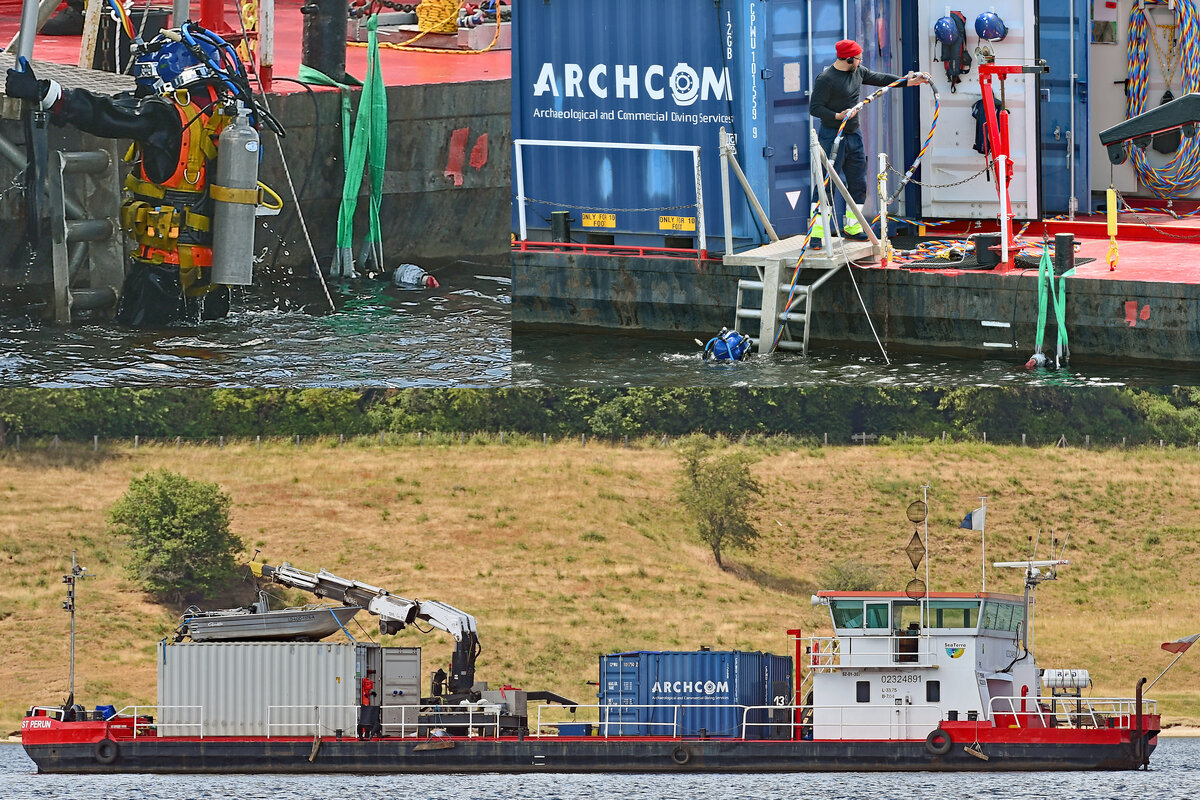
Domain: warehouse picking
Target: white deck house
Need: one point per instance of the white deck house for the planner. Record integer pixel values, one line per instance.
(896, 666)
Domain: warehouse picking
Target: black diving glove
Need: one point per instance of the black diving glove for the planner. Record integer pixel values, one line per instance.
(23, 84)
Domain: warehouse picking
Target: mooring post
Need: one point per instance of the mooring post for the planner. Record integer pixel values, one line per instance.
(323, 42)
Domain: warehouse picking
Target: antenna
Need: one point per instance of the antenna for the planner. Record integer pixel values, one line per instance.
(76, 574)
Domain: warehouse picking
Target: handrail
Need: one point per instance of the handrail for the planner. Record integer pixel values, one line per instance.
(519, 174)
(1072, 712)
(406, 728)
(156, 718)
(828, 652)
(605, 723)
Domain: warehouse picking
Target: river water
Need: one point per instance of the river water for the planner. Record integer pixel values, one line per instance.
(548, 358)
(1173, 775)
(283, 335)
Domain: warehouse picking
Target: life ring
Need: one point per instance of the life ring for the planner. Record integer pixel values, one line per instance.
(938, 742)
(106, 751)
(680, 755)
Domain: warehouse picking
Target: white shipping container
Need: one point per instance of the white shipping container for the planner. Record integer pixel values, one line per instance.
(241, 687)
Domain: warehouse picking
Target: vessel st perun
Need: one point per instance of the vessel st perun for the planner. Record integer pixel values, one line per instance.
(939, 681)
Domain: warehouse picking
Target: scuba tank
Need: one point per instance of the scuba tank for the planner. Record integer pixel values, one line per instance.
(235, 198)
(727, 346)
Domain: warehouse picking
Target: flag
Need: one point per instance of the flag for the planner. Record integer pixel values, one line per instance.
(974, 520)
(1181, 645)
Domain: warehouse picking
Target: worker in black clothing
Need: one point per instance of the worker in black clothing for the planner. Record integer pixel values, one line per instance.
(835, 94)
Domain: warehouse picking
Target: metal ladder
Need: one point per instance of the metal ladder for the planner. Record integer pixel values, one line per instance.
(775, 263)
(91, 223)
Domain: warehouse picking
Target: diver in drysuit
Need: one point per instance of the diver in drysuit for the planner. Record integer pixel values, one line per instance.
(188, 81)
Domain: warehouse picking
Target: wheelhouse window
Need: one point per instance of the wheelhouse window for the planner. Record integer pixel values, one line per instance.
(878, 617)
(953, 613)
(907, 615)
(847, 613)
(1002, 617)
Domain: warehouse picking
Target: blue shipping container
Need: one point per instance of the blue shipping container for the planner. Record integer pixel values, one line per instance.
(694, 693)
(671, 72)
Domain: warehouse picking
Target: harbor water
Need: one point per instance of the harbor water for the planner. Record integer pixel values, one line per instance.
(552, 358)
(1173, 775)
(283, 335)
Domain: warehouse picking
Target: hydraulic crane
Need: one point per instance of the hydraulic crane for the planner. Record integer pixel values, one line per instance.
(395, 613)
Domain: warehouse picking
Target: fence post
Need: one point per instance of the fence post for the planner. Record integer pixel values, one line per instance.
(1122, 441)
(220, 442)
(18, 442)
(56, 444)
(95, 443)
(177, 438)
(341, 439)
(501, 437)
(827, 439)
(1087, 441)
(1160, 444)
(943, 437)
(985, 437)
(297, 440)
(135, 441)
(583, 440)
(420, 436)
(1022, 440)
(626, 440)
(258, 441)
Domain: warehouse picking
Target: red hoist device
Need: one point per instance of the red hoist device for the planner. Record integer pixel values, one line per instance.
(998, 144)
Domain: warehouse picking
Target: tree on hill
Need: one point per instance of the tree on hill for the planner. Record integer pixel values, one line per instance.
(180, 545)
(717, 489)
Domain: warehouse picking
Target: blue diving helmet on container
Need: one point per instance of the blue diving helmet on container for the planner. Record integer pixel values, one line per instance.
(990, 27)
(945, 30)
(727, 346)
(169, 64)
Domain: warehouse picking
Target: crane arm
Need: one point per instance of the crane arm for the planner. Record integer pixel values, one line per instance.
(395, 612)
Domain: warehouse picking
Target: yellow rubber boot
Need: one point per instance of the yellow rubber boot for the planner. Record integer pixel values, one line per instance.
(851, 226)
(818, 229)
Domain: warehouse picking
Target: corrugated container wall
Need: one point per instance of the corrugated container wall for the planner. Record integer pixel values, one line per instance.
(235, 683)
(690, 693)
(629, 71)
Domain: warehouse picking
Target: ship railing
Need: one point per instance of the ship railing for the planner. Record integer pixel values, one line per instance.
(757, 722)
(862, 721)
(54, 712)
(684, 223)
(1069, 712)
(829, 653)
(155, 713)
(328, 720)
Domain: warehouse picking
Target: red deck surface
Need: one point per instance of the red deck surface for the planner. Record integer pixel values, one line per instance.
(1151, 247)
(400, 68)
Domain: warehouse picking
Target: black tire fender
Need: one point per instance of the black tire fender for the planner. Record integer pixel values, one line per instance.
(938, 742)
(681, 755)
(106, 751)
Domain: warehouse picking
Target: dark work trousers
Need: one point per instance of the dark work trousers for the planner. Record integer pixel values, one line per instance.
(851, 165)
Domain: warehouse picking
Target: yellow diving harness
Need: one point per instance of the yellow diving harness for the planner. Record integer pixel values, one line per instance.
(171, 221)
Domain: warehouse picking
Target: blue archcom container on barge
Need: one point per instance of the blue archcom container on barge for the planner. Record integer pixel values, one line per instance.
(591, 78)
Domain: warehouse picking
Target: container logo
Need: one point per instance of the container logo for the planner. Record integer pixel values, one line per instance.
(689, 687)
(627, 81)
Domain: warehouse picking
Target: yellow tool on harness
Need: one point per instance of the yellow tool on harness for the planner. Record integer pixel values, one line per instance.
(1113, 256)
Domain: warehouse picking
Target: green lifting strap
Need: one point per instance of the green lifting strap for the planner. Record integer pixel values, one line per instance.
(366, 148)
(1047, 293)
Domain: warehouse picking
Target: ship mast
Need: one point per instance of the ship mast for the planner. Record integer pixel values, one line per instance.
(76, 574)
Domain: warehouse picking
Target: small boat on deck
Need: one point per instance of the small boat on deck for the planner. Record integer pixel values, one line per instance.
(256, 622)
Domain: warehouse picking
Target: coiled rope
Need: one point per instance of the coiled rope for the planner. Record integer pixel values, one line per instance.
(837, 141)
(1182, 173)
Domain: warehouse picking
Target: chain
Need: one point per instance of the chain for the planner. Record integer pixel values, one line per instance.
(986, 167)
(1128, 209)
(602, 208)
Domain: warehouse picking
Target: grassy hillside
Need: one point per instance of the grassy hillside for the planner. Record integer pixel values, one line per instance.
(563, 552)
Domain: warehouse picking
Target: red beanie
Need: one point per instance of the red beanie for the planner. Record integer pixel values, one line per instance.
(848, 48)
